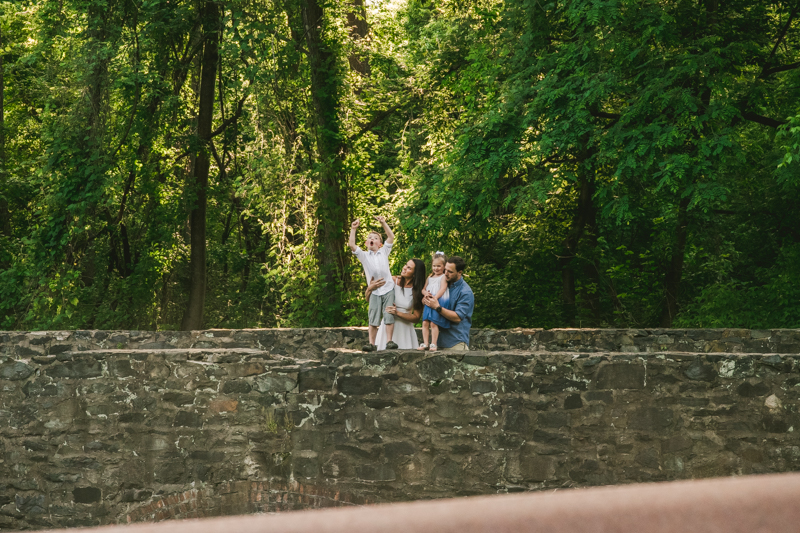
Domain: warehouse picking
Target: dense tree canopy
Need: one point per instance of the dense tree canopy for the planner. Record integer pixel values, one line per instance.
(195, 163)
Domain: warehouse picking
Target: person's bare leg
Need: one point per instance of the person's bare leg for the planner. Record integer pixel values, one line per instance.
(425, 325)
(389, 331)
(373, 332)
(434, 335)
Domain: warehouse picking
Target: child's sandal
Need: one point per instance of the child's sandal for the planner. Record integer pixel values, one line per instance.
(422, 347)
(433, 347)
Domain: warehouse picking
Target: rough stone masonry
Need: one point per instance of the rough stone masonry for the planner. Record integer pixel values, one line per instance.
(113, 427)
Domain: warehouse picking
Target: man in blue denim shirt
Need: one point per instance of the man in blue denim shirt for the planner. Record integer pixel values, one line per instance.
(458, 310)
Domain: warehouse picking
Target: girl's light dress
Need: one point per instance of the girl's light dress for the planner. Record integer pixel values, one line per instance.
(404, 333)
(434, 284)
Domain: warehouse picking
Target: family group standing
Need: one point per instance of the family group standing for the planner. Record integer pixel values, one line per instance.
(443, 300)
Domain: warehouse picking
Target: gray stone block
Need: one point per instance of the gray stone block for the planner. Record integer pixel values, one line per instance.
(188, 419)
(380, 472)
(15, 371)
(621, 376)
(359, 385)
(573, 401)
(651, 418)
(701, 371)
(319, 378)
(435, 368)
(751, 390)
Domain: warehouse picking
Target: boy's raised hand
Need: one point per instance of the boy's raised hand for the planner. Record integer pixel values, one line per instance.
(386, 228)
(351, 242)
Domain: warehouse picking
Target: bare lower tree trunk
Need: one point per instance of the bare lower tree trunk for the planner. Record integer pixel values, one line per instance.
(674, 273)
(331, 196)
(584, 216)
(193, 316)
(672, 281)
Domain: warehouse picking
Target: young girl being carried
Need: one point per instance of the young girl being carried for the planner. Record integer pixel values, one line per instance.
(436, 286)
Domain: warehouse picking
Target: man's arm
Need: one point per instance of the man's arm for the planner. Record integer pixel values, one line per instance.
(352, 241)
(465, 305)
(387, 229)
(434, 304)
(452, 316)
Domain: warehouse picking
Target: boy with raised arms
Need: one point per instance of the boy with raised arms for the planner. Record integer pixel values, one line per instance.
(375, 260)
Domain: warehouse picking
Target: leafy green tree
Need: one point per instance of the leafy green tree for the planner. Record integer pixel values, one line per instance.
(185, 164)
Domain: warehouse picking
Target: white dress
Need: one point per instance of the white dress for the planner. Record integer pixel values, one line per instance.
(404, 333)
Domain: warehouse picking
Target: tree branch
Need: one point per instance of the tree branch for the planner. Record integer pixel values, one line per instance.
(781, 35)
(760, 119)
(130, 122)
(379, 117)
(232, 118)
(603, 114)
(193, 46)
(136, 100)
(216, 157)
(219, 130)
(270, 28)
(128, 186)
(782, 68)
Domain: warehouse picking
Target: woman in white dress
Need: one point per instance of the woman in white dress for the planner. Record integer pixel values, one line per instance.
(407, 308)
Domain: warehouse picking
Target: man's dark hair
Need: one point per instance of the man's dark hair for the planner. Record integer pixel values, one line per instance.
(459, 263)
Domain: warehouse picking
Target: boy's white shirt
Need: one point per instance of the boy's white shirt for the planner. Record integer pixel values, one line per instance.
(376, 265)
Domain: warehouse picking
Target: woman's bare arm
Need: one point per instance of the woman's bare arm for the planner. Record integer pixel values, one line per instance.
(410, 317)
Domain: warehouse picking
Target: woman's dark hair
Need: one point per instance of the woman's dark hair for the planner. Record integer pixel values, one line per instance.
(417, 282)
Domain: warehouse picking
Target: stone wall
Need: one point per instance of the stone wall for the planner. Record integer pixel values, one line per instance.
(310, 343)
(112, 427)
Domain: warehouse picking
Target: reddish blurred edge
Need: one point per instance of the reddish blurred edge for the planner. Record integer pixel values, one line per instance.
(763, 503)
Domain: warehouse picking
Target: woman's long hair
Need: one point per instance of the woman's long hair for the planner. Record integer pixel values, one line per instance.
(417, 282)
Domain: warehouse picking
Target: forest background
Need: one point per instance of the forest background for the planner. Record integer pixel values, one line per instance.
(190, 164)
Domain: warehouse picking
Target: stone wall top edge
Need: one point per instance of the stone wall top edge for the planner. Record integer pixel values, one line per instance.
(174, 331)
(364, 328)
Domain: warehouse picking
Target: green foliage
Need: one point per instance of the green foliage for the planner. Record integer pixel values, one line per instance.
(592, 161)
(640, 104)
(773, 299)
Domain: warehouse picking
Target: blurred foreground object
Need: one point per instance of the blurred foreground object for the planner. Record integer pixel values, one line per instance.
(745, 504)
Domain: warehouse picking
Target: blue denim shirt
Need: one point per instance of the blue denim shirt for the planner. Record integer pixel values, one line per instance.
(462, 301)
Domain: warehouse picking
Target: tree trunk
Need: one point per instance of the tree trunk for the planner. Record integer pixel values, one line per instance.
(585, 214)
(672, 282)
(674, 274)
(357, 22)
(568, 310)
(331, 196)
(193, 316)
(591, 272)
(97, 88)
(5, 215)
